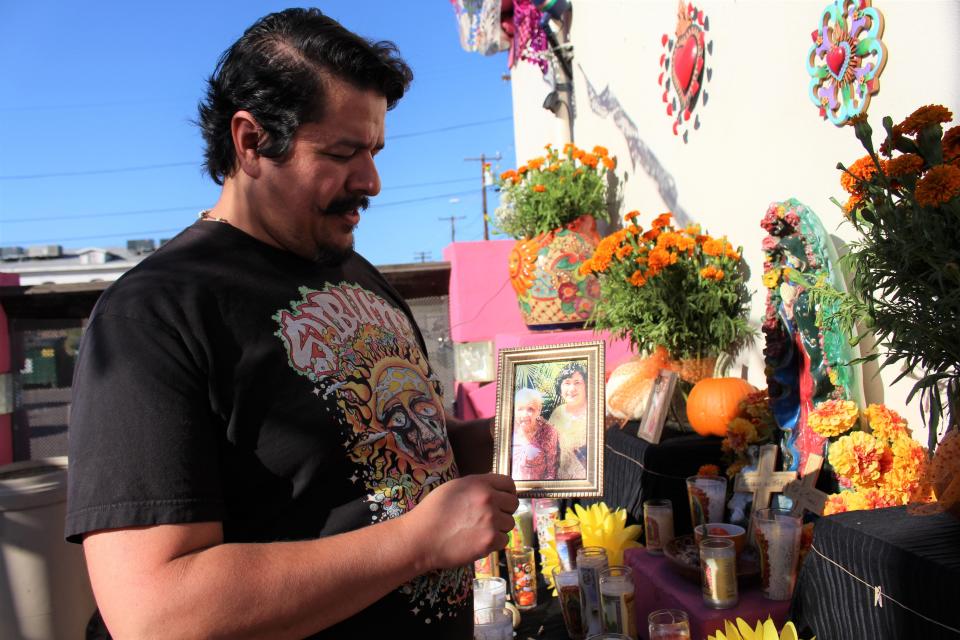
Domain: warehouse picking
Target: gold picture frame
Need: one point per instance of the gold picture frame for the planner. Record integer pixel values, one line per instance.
(554, 450)
(658, 406)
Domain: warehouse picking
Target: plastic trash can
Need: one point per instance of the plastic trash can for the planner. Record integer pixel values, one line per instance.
(44, 590)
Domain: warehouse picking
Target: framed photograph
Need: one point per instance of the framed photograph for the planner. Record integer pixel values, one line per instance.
(549, 421)
(658, 405)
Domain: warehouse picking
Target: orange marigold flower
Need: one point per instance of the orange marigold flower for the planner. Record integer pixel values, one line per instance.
(708, 470)
(660, 258)
(951, 144)
(667, 240)
(631, 216)
(577, 172)
(713, 247)
(578, 154)
(904, 165)
(859, 457)
(685, 243)
(851, 204)
(731, 254)
(600, 151)
(637, 279)
(609, 163)
(539, 188)
(600, 263)
(860, 171)
(590, 160)
(652, 234)
(938, 186)
(833, 417)
(929, 114)
(624, 251)
(586, 267)
(719, 275)
(522, 169)
(535, 163)
(887, 149)
(508, 175)
(554, 167)
(886, 424)
(661, 221)
(708, 272)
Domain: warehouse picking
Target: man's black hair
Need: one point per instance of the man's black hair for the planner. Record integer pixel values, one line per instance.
(275, 72)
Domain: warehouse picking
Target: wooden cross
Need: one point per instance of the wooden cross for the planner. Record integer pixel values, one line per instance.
(764, 481)
(803, 492)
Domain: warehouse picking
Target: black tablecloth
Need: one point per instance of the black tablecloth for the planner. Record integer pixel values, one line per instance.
(914, 559)
(666, 466)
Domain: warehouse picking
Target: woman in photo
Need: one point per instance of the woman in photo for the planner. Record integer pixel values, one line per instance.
(535, 442)
(569, 418)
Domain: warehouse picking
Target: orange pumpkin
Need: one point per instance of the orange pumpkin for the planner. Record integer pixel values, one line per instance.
(714, 402)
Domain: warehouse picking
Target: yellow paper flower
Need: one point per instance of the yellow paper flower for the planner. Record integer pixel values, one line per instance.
(833, 417)
(766, 630)
(885, 423)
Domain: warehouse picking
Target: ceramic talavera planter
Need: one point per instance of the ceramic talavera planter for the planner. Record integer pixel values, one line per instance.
(545, 273)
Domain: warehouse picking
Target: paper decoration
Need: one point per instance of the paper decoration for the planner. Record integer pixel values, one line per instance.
(683, 68)
(478, 23)
(803, 492)
(764, 482)
(846, 59)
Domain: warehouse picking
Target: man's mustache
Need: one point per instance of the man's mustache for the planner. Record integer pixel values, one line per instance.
(346, 205)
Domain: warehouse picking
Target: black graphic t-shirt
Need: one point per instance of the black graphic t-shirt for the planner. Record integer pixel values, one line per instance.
(225, 380)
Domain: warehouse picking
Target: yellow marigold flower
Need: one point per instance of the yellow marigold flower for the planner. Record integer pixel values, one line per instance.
(904, 165)
(886, 424)
(637, 279)
(771, 278)
(661, 221)
(553, 167)
(929, 114)
(609, 163)
(900, 483)
(834, 504)
(951, 143)
(833, 417)
(539, 188)
(907, 452)
(631, 216)
(600, 151)
(938, 186)
(859, 457)
(708, 470)
(708, 272)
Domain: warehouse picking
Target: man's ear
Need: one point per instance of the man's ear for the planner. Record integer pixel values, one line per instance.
(247, 134)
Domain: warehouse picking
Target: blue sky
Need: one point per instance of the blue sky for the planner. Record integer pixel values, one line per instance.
(102, 89)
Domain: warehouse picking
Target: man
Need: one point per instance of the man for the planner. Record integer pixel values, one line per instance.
(258, 447)
(536, 445)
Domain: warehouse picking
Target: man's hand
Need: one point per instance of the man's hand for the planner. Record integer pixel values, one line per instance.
(465, 519)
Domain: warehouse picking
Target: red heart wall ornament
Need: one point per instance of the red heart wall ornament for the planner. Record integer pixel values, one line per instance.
(684, 61)
(836, 58)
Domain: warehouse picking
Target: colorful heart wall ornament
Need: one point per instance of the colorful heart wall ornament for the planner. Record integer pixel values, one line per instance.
(683, 68)
(846, 59)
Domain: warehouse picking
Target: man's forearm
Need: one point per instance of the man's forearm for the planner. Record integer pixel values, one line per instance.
(472, 442)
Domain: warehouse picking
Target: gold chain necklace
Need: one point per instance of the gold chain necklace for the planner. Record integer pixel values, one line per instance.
(205, 215)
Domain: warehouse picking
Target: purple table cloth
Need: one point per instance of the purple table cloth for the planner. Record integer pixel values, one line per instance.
(658, 585)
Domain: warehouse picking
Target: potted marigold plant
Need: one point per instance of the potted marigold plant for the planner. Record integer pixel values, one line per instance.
(904, 203)
(550, 206)
(675, 288)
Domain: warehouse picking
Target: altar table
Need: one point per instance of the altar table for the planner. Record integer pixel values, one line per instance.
(658, 585)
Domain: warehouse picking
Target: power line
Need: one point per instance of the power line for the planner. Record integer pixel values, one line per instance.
(421, 256)
(149, 167)
(453, 229)
(128, 234)
(138, 233)
(111, 214)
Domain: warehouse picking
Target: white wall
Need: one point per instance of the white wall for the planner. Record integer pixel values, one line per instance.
(761, 139)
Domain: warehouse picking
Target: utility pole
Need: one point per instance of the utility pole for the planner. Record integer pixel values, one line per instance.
(453, 230)
(421, 256)
(484, 166)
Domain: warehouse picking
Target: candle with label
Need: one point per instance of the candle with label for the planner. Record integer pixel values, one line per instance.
(568, 591)
(718, 573)
(657, 525)
(569, 540)
(616, 598)
(590, 562)
(523, 578)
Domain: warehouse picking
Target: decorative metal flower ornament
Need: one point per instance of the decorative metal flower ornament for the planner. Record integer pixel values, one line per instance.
(846, 59)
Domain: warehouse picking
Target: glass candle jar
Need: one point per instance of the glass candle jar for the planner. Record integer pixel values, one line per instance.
(718, 572)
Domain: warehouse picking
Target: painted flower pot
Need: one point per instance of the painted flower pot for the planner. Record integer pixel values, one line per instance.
(545, 273)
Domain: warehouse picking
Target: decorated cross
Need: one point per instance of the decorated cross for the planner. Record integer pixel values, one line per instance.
(764, 481)
(803, 492)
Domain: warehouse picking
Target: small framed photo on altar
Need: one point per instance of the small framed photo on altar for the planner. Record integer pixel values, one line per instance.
(549, 419)
(658, 405)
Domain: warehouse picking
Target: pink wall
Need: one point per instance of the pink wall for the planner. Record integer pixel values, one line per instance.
(483, 306)
(6, 419)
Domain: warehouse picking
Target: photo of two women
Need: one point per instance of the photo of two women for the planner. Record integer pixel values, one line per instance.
(550, 421)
